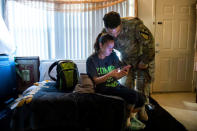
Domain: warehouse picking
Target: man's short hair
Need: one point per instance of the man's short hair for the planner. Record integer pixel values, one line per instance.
(112, 20)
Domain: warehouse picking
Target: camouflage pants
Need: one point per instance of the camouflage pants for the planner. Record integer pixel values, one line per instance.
(141, 85)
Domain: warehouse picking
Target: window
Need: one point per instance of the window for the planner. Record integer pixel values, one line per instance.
(58, 35)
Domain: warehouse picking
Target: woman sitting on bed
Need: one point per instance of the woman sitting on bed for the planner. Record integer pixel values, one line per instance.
(104, 67)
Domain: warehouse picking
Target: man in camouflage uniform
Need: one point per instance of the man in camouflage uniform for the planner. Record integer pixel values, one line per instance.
(136, 44)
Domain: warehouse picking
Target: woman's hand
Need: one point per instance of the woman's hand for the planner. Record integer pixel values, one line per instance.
(117, 74)
(123, 72)
(113, 73)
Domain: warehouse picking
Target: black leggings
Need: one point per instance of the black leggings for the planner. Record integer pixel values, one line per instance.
(129, 95)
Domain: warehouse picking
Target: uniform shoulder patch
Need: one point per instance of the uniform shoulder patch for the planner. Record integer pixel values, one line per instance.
(144, 34)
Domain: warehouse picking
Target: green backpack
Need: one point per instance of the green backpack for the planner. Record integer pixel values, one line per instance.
(67, 75)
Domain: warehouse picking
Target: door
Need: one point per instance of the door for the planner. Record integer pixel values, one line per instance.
(174, 45)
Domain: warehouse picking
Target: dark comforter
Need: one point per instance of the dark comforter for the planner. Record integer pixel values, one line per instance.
(50, 108)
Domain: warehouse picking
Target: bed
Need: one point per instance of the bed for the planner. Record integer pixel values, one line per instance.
(42, 106)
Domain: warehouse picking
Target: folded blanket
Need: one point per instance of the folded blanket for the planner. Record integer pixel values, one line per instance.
(85, 86)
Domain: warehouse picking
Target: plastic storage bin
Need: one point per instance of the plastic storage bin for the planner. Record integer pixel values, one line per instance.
(8, 84)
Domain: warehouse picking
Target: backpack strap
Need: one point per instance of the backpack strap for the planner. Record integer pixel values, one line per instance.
(50, 69)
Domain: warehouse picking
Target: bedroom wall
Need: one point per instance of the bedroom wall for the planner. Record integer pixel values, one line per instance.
(146, 12)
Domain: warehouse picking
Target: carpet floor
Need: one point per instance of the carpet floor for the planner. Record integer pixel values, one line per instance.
(161, 120)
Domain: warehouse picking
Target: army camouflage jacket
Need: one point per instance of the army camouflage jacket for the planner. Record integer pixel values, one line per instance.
(135, 42)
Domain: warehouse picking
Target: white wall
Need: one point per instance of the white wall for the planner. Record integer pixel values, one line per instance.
(146, 12)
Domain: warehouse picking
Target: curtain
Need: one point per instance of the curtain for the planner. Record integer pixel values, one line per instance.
(77, 5)
(67, 33)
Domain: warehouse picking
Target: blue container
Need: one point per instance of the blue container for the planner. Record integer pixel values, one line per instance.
(8, 84)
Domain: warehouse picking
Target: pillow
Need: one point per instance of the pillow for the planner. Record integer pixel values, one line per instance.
(85, 85)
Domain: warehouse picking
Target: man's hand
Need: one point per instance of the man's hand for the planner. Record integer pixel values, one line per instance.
(126, 68)
(141, 65)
